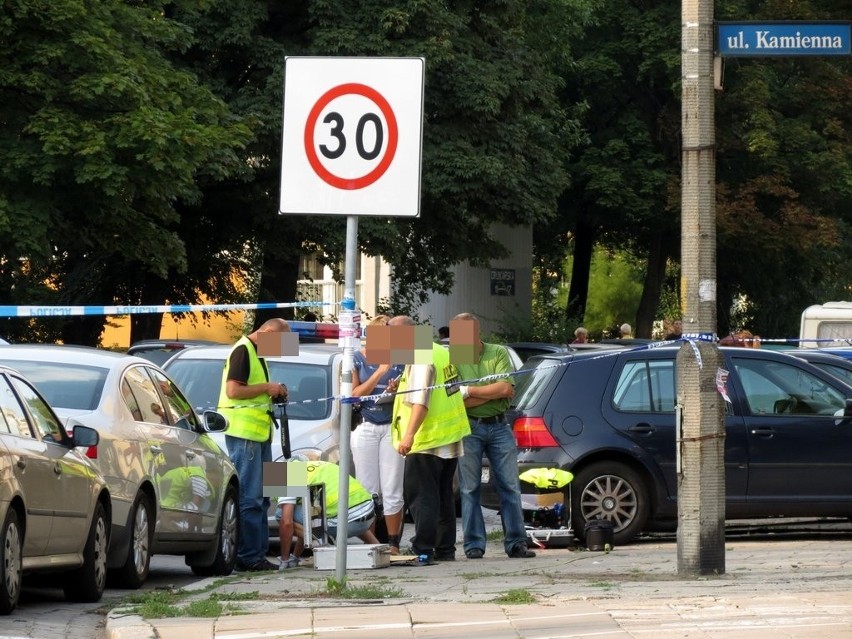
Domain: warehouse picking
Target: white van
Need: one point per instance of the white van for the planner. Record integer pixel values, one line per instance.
(826, 325)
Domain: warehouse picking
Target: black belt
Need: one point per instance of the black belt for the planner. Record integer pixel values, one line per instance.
(494, 419)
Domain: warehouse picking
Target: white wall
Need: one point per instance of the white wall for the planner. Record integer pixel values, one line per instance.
(472, 289)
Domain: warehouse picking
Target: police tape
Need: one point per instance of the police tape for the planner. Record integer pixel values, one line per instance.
(69, 311)
(690, 338)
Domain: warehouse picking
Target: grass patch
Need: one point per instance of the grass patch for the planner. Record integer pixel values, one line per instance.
(605, 585)
(494, 535)
(342, 590)
(158, 604)
(516, 596)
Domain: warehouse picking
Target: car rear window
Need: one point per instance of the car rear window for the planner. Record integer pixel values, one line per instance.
(201, 379)
(529, 387)
(72, 386)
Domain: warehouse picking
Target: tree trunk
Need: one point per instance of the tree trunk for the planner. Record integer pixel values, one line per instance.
(655, 275)
(277, 284)
(578, 292)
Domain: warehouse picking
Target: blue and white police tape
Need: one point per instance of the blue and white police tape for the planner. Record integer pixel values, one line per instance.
(69, 311)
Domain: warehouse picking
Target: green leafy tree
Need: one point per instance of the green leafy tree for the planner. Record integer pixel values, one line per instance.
(104, 139)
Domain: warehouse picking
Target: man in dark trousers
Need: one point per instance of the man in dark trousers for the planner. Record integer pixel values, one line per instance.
(427, 429)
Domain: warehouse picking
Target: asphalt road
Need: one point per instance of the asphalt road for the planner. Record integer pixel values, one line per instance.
(43, 612)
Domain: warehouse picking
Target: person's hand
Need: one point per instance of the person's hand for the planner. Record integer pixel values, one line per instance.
(274, 389)
(393, 384)
(404, 446)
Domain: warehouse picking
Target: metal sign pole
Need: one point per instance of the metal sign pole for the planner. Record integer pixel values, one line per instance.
(350, 332)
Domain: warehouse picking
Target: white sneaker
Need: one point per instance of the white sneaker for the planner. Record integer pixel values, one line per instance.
(291, 562)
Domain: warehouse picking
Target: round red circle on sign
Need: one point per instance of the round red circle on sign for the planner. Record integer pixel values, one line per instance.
(351, 184)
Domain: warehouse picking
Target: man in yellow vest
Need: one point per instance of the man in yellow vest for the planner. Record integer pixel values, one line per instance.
(246, 398)
(427, 429)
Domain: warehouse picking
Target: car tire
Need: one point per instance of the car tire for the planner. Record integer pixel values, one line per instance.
(614, 491)
(87, 583)
(133, 573)
(226, 540)
(11, 572)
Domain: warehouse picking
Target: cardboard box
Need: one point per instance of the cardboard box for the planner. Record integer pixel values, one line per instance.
(545, 500)
(357, 556)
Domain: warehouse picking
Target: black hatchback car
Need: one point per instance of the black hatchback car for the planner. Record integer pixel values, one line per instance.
(609, 418)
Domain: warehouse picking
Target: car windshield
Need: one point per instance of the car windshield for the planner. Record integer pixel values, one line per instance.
(71, 386)
(201, 379)
(530, 386)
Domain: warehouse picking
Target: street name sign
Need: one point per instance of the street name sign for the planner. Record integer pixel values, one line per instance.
(352, 136)
(757, 39)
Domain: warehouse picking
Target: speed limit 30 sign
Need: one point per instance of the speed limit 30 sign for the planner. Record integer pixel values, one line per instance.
(352, 136)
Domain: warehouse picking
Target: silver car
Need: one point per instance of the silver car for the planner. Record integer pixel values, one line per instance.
(54, 504)
(314, 374)
(173, 490)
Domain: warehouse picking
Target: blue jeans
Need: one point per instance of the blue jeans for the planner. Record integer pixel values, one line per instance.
(248, 457)
(497, 441)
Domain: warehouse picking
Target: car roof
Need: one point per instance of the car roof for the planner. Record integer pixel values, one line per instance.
(84, 355)
(308, 354)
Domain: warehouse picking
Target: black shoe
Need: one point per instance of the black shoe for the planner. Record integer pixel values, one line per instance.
(520, 551)
(445, 557)
(258, 566)
(474, 553)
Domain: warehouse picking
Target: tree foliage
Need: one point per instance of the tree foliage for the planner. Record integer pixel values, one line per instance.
(103, 139)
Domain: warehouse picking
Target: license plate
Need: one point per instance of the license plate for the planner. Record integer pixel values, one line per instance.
(486, 474)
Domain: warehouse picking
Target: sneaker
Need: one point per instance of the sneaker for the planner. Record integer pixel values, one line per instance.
(291, 562)
(474, 553)
(445, 557)
(261, 565)
(521, 551)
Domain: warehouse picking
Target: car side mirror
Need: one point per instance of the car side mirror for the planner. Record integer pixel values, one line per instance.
(83, 436)
(214, 422)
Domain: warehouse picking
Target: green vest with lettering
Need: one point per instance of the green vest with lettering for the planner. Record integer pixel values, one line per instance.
(247, 418)
(446, 421)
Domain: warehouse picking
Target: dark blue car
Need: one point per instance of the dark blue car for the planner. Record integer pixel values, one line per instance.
(609, 418)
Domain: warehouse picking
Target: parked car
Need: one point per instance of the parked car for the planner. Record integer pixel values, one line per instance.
(314, 374)
(527, 349)
(54, 504)
(173, 490)
(160, 350)
(610, 420)
(834, 364)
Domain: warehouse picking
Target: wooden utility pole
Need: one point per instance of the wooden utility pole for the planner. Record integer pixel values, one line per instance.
(701, 431)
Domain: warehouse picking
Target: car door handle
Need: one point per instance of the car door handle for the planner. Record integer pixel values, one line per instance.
(641, 429)
(57, 469)
(190, 454)
(763, 432)
(156, 450)
(22, 463)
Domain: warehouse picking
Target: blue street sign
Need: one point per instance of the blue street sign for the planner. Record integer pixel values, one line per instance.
(783, 38)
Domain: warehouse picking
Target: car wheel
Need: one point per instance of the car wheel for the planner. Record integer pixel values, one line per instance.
(614, 491)
(87, 583)
(134, 572)
(11, 574)
(226, 540)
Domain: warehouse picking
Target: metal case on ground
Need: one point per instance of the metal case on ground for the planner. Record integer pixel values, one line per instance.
(357, 556)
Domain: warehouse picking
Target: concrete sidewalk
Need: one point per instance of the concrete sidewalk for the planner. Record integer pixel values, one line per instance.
(791, 588)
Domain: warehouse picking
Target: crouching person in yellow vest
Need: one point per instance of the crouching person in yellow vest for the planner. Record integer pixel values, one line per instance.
(427, 429)
(362, 509)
